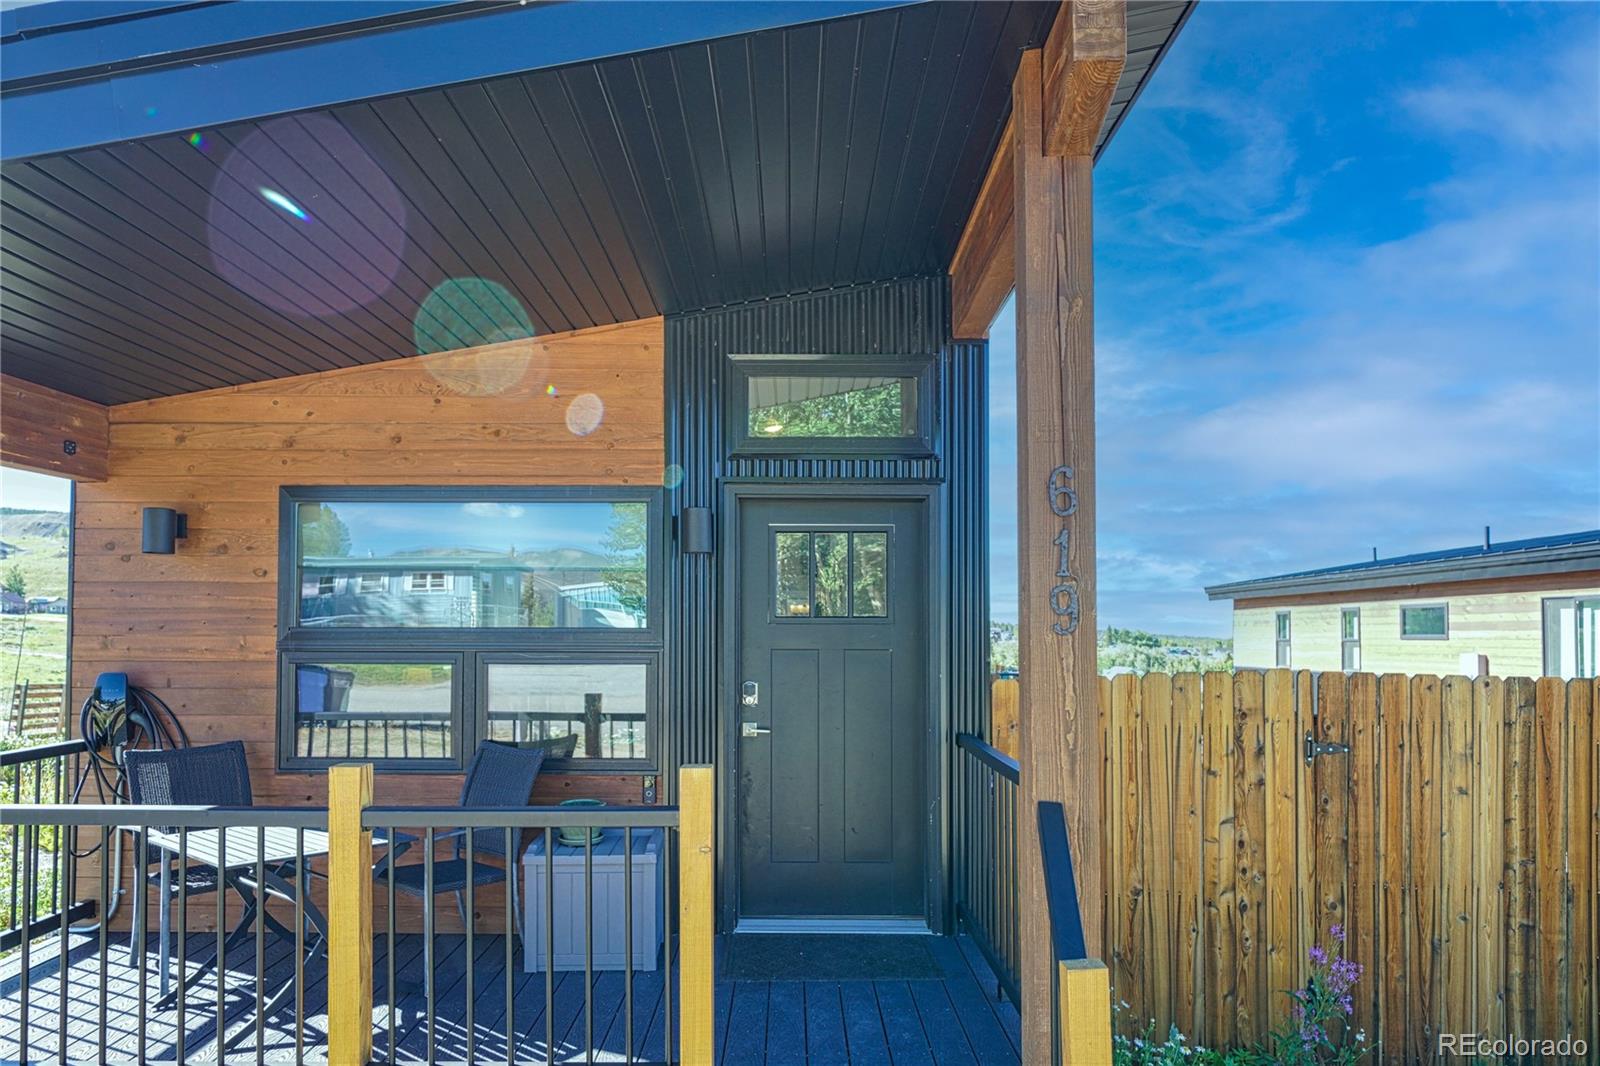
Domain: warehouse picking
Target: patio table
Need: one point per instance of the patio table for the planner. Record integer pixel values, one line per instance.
(274, 851)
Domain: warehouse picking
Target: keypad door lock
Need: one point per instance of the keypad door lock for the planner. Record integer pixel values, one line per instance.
(751, 694)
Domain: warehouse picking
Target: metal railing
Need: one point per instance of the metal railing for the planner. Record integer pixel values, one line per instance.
(1080, 987)
(984, 843)
(94, 994)
(34, 867)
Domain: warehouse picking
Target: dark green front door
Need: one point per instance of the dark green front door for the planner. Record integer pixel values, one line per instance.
(831, 708)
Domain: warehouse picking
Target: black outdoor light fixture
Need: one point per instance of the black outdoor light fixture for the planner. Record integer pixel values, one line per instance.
(696, 530)
(163, 525)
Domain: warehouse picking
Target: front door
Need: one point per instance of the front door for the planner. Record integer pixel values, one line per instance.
(832, 708)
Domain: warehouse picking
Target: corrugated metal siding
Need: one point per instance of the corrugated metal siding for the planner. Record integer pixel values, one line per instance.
(906, 317)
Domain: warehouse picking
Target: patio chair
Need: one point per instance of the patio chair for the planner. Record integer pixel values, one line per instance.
(209, 775)
(500, 775)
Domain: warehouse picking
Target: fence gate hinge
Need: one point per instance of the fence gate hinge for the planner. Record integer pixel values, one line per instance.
(1315, 747)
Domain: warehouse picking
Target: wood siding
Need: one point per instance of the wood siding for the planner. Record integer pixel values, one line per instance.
(37, 424)
(1506, 625)
(199, 627)
(1455, 843)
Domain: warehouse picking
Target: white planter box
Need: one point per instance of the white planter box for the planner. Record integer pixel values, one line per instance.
(610, 931)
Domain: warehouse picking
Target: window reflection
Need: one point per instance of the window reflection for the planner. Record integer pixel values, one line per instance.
(785, 405)
(794, 575)
(572, 710)
(477, 564)
(373, 711)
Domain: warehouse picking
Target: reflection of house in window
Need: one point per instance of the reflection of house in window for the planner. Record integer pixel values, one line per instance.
(565, 589)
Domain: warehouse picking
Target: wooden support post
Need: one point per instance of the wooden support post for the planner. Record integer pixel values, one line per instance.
(697, 928)
(349, 916)
(1085, 1012)
(1059, 732)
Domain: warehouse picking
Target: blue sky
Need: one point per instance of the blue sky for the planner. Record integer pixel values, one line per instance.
(1347, 265)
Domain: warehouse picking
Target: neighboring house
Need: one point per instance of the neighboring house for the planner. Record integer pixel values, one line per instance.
(47, 605)
(11, 603)
(1527, 607)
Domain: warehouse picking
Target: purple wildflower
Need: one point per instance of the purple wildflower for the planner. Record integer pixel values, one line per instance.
(1347, 1003)
(1336, 931)
(1317, 955)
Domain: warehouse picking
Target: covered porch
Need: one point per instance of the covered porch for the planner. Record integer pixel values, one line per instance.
(624, 400)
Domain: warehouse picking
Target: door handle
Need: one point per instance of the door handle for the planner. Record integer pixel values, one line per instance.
(751, 729)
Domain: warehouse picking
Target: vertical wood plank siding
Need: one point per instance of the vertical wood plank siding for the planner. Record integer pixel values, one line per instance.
(199, 627)
(1455, 843)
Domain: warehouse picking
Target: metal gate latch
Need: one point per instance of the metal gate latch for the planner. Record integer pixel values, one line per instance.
(1315, 747)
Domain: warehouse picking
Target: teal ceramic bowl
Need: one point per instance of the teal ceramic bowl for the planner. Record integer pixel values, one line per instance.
(573, 835)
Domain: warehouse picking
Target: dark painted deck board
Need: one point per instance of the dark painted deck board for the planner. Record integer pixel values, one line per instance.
(955, 1019)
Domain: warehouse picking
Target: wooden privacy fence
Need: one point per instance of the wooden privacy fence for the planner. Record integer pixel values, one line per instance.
(37, 711)
(1455, 843)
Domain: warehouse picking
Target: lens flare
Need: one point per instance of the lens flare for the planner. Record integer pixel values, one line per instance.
(584, 414)
(672, 476)
(467, 312)
(278, 200)
(197, 140)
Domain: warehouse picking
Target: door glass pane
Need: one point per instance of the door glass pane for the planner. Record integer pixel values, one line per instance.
(572, 710)
(871, 566)
(785, 405)
(831, 555)
(794, 575)
(373, 711)
(1349, 623)
(540, 564)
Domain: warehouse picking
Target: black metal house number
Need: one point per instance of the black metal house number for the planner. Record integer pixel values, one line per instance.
(1064, 596)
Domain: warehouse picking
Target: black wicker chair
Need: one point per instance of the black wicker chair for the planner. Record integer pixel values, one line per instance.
(500, 775)
(210, 775)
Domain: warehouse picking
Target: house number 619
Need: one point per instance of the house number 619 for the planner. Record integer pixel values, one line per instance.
(1064, 596)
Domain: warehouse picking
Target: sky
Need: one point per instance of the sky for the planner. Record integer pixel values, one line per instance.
(1347, 296)
(34, 492)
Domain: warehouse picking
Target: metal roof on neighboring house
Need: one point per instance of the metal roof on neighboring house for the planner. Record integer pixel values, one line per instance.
(1561, 553)
(626, 169)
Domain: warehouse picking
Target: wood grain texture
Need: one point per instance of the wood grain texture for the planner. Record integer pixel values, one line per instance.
(983, 269)
(697, 922)
(1083, 60)
(36, 423)
(349, 915)
(1454, 842)
(199, 627)
(1085, 1013)
(1061, 742)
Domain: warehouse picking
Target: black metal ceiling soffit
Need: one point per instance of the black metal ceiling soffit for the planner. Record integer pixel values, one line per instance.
(695, 176)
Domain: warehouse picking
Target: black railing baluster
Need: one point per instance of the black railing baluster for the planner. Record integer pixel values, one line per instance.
(301, 881)
(667, 851)
(65, 846)
(627, 934)
(513, 860)
(549, 945)
(141, 928)
(588, 944)
(183, 940)
(222, 944)
(105, 909)
(427, 935)
(388, 922)
(472, 957)
(29, 836)
(261, 943)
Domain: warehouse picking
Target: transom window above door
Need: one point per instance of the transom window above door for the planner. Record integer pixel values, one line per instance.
(831, 574)
(830, 404)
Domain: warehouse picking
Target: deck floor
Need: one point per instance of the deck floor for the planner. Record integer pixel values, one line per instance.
(952, 1019)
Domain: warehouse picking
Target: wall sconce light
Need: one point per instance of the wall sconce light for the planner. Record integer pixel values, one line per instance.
(696, 530)
(163, 525)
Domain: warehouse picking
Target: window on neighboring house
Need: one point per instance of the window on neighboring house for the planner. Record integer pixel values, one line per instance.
(1425, 621)
(1281, 625)
(1350, 638)
(427, 581)
(1572, 637)
(551, 636)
